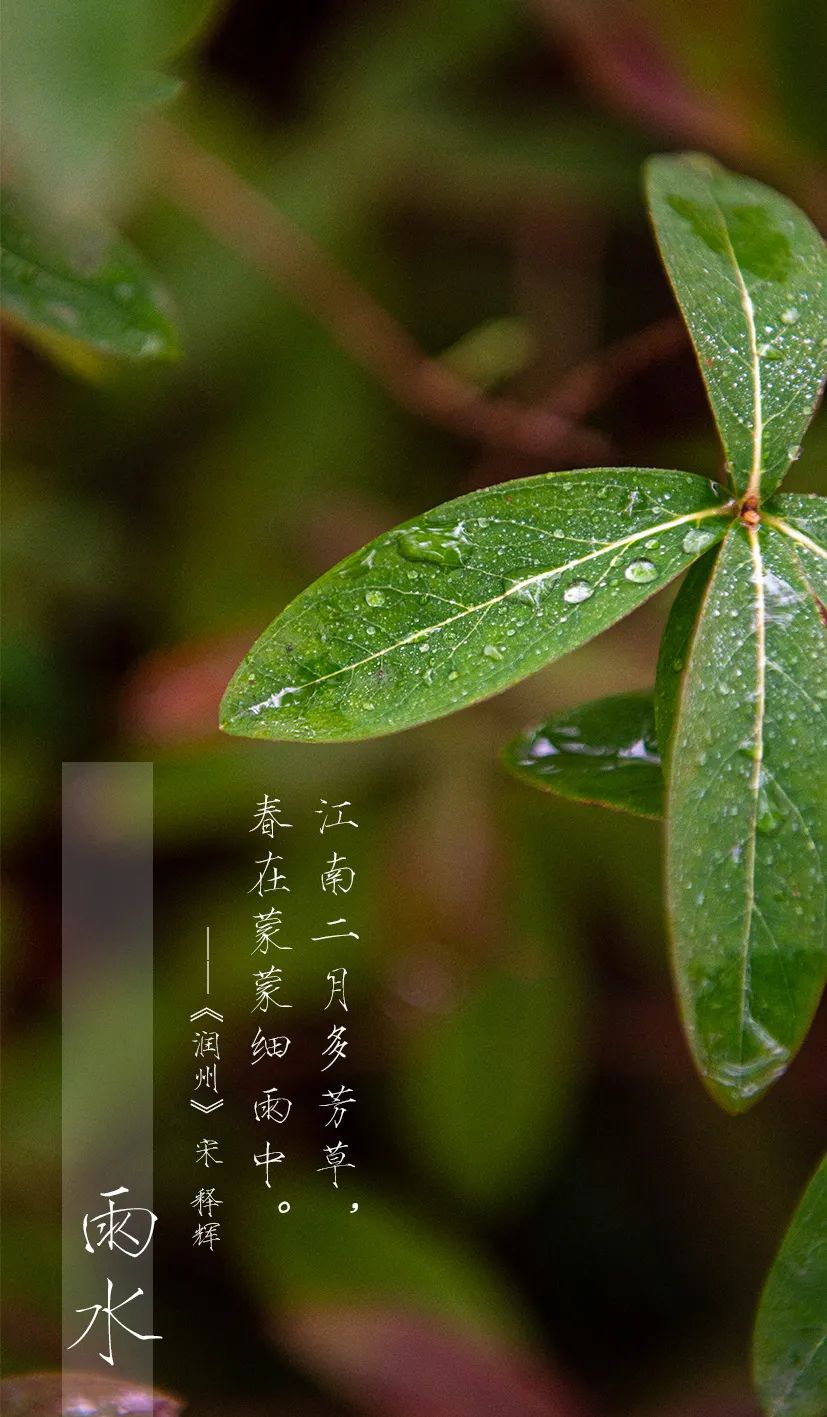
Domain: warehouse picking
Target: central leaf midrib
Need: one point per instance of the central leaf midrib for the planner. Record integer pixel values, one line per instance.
(514, 589)
(755, 781)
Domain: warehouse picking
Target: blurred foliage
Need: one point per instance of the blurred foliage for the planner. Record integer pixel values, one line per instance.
(538, 1174)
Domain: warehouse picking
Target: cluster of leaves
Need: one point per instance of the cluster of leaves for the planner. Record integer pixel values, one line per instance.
(471, 597)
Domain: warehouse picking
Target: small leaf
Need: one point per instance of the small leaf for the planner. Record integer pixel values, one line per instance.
(803, 519)
(468, 599)
(790, 1355)
(674, 651)
(603, 752)
(747, 818)
(750, 273)
(89, 286)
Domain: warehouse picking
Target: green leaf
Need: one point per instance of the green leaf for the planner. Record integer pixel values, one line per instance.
(750, 273)
(386, 1255)
(487, 1132)
(803, 519)
(790, 1355)
(464, 601)
(89, 286)
(747, 818)
(674, 650)
(603, 752)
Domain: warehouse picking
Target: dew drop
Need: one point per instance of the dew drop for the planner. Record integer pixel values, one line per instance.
(580, 590)
(791, 316)
(374, 598)
(697, 539)
(439, 548)
(640, 572)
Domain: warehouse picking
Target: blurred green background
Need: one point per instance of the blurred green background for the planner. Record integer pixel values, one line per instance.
(554, 1219)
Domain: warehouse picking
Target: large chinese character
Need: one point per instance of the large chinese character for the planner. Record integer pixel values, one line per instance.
(268, 816)
(267, 985)
(110, 1310)
(113, 1226)
(270, 877)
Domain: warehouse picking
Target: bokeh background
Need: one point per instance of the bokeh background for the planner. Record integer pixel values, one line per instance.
(554, 1219)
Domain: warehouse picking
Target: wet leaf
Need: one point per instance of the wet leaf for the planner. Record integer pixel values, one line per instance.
(750, 273)
(604, 752)
(790, 1356)
(804, 520)
(747, 818)
(89, 286)
(674, 651)
(82, 1395)
(466, 600)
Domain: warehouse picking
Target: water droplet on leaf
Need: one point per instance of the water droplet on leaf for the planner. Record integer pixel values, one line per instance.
(580, 590)
(640, 572)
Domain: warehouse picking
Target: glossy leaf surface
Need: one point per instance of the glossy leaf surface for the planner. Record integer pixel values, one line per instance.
(750, 273)
(674, 650)
(91, 287)
(791, 1328)
(803, 519)
(747, 818)
(468, 599)
(604, 752)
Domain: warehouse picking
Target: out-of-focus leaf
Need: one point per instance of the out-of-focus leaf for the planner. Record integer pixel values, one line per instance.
(803, 519)
(156, 89)
(89, 285)
(73, 76)
(467, 599)
(70, 77)
(747, 818)
(604, 752)
(797, 33)
(790, 1355)
(486, 1131)
(674, 648)
(750, 273)
(475, 157)
(382, 1256)
(493, 352)
(391, 1363)
(55, 1394)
